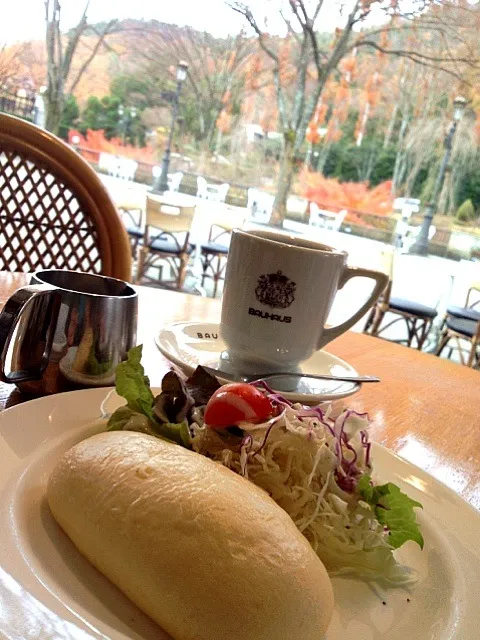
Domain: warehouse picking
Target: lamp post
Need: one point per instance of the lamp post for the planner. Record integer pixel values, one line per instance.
(125, 118)
(420, 247)
(121, 113)
(131, 133)
(161, 183)
(76, 142)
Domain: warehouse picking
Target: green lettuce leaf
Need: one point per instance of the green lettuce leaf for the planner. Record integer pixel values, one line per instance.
(132, 384)
(394, 509)
(365, 488)
(138, 415)
(177, 432)
(126, 419)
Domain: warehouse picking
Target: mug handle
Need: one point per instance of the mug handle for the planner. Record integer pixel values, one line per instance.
(381, 280)
(11, 313)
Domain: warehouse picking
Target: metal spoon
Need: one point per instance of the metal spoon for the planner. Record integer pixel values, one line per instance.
(251, 377)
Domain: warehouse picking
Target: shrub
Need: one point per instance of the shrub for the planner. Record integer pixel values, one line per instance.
(466, 212)
(97, 141)
(356, 197)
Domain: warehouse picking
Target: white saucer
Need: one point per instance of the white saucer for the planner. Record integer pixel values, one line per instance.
(189, 344)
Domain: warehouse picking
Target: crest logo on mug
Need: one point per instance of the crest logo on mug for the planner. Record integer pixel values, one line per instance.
(275, 290)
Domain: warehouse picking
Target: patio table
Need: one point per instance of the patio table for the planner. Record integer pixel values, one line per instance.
(425, 409)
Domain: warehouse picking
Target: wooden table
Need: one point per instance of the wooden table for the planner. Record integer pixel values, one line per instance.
(425, 409)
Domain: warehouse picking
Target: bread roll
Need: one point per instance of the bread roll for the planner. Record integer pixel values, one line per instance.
(205, 553)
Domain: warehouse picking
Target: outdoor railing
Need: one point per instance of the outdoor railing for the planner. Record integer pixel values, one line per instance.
(20, 106)
(358, 223)
(90, 155)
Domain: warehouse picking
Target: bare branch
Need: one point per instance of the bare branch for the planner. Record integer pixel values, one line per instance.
(73, 42)
(243, 10)
(299, 103)
(317, 11)
(434, 62)
(301, 5)
(50, 41)
(290, 29)
(101, 38)
(324, 72)
(296, 13)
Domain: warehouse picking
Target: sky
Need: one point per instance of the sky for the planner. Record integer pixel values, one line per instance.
(24, 19)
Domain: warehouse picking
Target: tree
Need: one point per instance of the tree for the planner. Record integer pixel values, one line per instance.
(92, 116)
(450, 23)
(114, 123)
(60, 53)
(70, 115)
(114, 117)
(135, 90)
(216, 68)
(9, 63)
(354, 196)
(101, 114)
(29, 65)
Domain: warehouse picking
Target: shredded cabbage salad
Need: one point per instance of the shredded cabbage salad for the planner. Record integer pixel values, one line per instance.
(316, 465)
(310, 463)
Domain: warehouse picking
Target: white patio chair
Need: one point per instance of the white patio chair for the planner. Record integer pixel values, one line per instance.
(326, 219)
(260, 205)
(410, 236)
(210, 191)
(133, 169)
(110, 162)
(174, 180)
(126, 168)
(297, 206)
(202, 185)
(218, 192)
(115, 167)
(105, 161)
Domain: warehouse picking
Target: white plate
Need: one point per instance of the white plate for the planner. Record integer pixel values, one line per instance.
(49, 591)
(188, 344)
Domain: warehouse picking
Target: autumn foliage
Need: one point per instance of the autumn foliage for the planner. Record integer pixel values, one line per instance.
(356, 197)
(224, 120)
(96, 141)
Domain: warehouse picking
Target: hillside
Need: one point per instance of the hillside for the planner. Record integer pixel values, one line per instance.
(116, 56)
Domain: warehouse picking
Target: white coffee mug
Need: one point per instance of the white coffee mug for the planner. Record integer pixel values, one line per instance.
(278, 293)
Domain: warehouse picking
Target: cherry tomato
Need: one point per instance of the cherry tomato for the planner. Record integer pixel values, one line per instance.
(237, 402)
